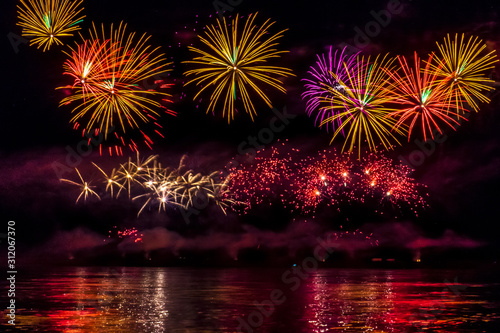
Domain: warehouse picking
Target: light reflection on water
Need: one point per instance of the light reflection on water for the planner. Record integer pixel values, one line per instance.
(210, 300)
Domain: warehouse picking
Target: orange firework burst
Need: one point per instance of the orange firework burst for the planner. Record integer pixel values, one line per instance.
(89, 64)
(423, 99)
(109, 71)
(46, 21)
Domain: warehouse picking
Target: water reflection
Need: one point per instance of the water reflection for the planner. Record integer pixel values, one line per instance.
(210, 300)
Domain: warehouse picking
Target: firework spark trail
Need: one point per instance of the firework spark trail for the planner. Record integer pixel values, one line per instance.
(233, 64)
(45, 22)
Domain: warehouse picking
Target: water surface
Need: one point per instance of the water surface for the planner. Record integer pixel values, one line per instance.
(212, 300)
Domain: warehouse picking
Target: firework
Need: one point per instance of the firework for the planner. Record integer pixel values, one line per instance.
(348, 237)
(277, 175)
(259, 181)
(363, 106)
(390, 182)
(108, 71)
(421, 98)
(111, 181)
(128, 174)
(159, 189)
(45, 22)
(146, 181)
(462, 65)
(219, 192)
(233, 64)
(323, 179)
(89, 64)
(127, 233)
(85, 188)
(326, 179)
(325, 76)
(188, 186)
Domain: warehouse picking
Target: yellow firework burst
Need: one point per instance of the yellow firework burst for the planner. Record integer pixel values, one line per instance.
(462, 64)
(44, 22)
(363, 105)
(234, 63)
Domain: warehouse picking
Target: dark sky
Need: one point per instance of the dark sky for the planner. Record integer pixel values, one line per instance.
(462, 174)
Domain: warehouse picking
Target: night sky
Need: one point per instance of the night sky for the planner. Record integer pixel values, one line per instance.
(462, 174)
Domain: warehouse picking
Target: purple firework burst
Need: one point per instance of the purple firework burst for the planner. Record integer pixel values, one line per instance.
(324, 77)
